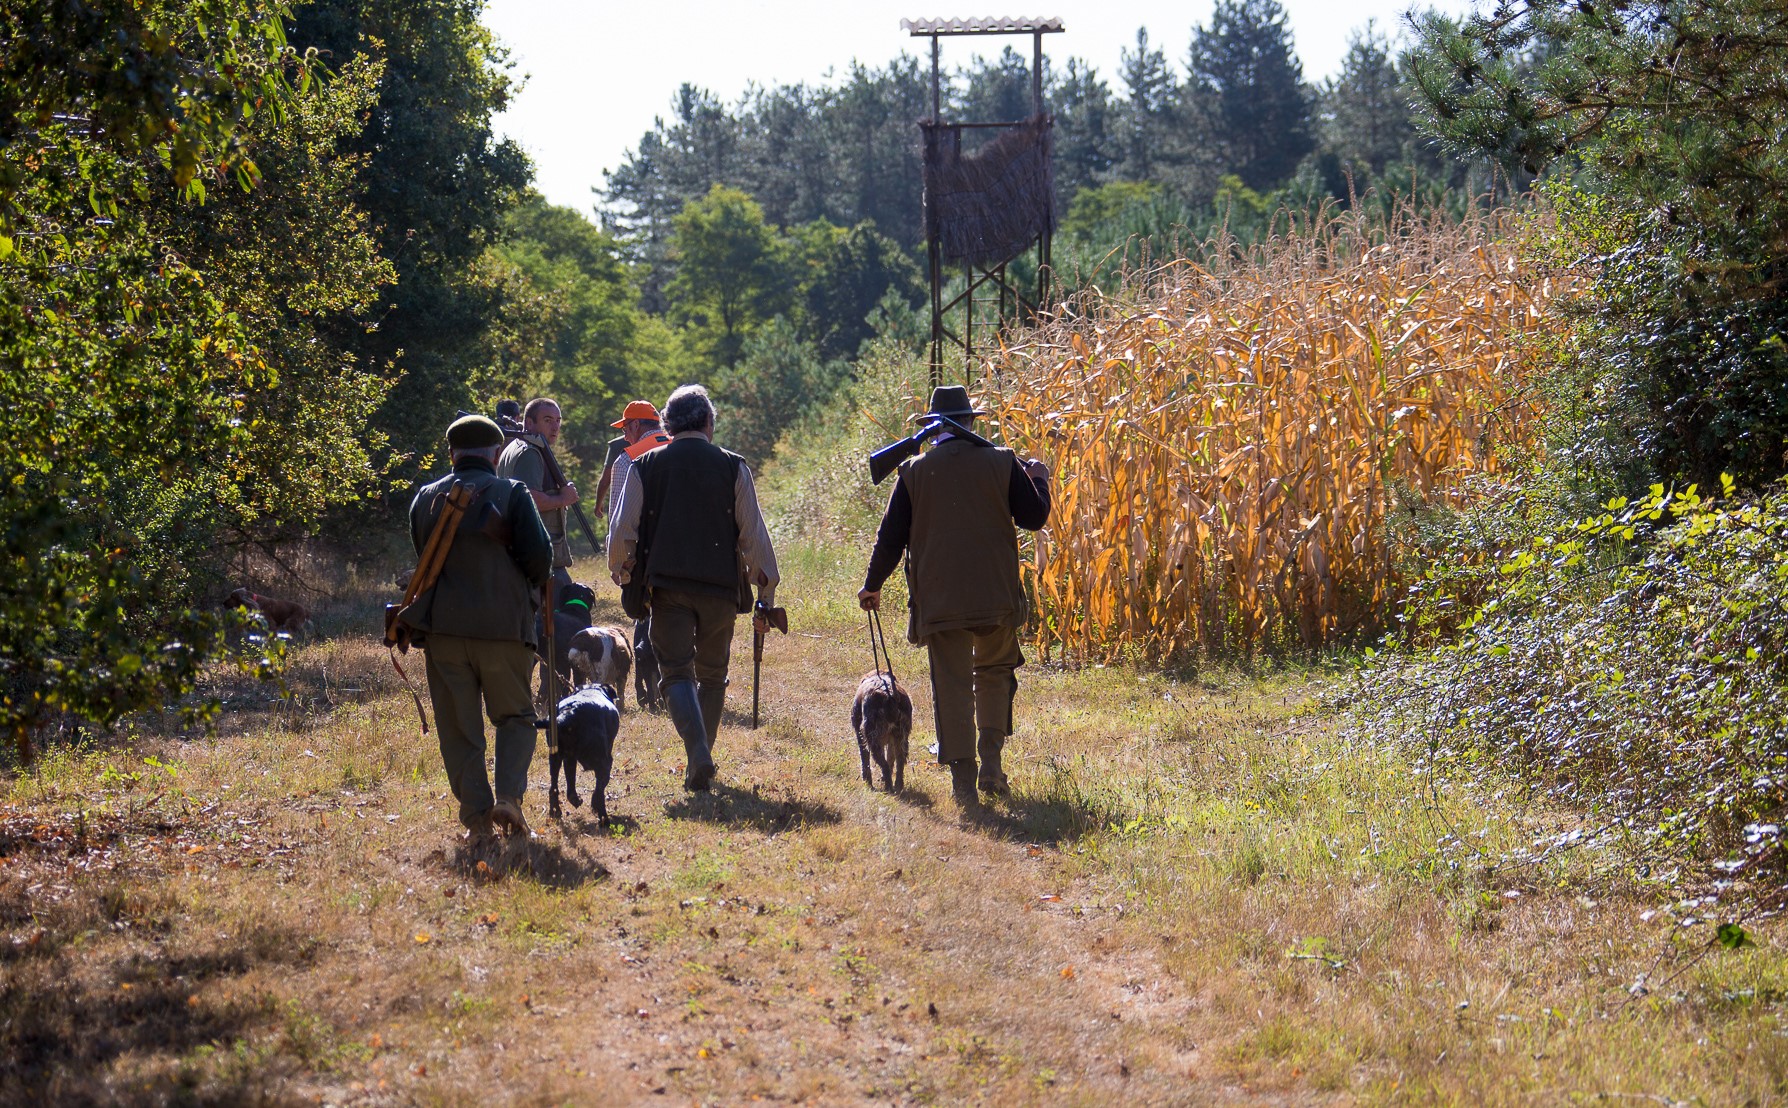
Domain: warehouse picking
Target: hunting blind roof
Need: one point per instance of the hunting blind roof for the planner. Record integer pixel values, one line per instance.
(984, 25)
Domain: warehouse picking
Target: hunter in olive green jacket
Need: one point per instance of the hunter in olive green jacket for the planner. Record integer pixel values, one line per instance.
(500, 557)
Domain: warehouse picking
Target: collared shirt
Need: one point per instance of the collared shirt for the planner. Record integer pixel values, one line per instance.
(754, 537)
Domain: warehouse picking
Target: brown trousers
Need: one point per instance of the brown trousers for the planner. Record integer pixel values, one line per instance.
(973, 680)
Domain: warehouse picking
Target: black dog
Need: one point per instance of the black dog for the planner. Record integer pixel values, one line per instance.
(571, 614)
(588, 723)
(882, 717)
(645, 667)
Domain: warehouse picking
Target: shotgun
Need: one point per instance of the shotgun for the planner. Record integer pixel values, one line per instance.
(888, 458)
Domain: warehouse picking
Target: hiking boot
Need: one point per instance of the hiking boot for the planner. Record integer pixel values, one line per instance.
(988, 745)
(962, 784)
(478, 833)
(506, 815)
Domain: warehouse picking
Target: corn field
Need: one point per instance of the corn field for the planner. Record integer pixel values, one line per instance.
(1227, 434)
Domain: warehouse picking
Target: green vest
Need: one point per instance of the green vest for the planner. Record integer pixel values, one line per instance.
(500, 557)
(962, 553)
(687, 526)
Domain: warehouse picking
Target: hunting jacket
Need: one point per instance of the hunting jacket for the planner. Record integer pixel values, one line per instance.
(500, 557)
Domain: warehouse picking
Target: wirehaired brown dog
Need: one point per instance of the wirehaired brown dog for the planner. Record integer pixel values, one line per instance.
(882, 717)
(287, 616)
(602, 656)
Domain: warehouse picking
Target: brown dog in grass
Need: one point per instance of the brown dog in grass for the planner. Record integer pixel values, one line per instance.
(601, 656)
(286, 616)
(882, 717)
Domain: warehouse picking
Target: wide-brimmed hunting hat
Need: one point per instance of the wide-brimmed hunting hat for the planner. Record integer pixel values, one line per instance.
(952, 401)
(636, 409)
(474, 432)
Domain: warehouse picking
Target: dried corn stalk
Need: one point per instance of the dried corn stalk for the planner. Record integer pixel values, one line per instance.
(1225, 435)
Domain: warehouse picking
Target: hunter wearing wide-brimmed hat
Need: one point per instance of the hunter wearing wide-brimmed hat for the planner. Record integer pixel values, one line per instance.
(955, 511)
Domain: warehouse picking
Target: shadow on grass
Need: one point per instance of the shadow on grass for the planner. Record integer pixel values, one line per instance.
(1055, 819)
(737, 808)
(557, 866)
(140, 1031)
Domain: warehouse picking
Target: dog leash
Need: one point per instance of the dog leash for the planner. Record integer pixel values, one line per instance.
(875, 632)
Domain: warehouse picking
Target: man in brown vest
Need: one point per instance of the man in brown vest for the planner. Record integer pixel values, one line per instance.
(688, 520)
(953, 511)
(477, 626)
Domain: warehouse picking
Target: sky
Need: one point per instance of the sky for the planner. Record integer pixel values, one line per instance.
(597, 74)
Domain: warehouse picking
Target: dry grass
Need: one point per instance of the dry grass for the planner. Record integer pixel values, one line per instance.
(1229, 436)
(1198, 894)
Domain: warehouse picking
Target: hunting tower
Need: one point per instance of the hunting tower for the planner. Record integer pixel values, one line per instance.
(987, 208)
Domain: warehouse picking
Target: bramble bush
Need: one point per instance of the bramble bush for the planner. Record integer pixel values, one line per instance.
(1633, 668)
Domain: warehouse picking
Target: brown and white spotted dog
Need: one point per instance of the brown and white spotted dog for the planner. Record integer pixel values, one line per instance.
(602, 656)
(286, 616)
(882, 717)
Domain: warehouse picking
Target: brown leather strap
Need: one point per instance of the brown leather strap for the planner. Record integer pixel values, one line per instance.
(440, 541)
(414, 695)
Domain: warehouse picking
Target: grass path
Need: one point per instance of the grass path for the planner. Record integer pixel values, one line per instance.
(1200, 893)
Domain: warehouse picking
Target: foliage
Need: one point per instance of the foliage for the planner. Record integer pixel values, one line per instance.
(436, 183)
(733, 273)
(1246, 78)
(778, 378)
(860, 269)
(1228, 434)
(1666, 116)
(1634, 667)
(817, 486)
(167, 389)
(577, 332)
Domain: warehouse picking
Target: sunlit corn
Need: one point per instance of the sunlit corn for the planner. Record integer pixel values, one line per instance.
(1228, 434)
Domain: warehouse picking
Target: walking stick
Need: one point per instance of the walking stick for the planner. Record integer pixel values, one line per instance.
(777, 618)
(552, 706)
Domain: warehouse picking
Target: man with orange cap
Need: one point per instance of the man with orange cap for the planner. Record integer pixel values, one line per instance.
(638, 424)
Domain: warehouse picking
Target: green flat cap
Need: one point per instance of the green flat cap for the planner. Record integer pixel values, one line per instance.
(473, 432)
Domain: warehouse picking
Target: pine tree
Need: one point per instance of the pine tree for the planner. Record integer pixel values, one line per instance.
(1248, 84)
(1086, 139)
(1366, 122)
(1146, 125)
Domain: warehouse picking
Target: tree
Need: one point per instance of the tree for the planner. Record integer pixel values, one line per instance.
(436, 182)
(1148, 117)
(778, 378)
(1086, 136)
(732, 272)
(1666, 117)
(997, 91)
(1366, 121)
(1247, 79)
(858, 272)
(165, 368)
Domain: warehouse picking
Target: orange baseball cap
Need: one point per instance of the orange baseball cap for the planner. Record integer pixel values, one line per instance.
(636, 409)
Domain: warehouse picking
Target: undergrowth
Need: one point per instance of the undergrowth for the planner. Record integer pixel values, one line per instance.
(1631, 669)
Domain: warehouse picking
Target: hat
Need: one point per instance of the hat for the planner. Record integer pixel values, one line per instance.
(951, 401)
(636, 409)
(473, 432)
(509, 409)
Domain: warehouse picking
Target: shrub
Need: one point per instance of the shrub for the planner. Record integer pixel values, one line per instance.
(1634, 668)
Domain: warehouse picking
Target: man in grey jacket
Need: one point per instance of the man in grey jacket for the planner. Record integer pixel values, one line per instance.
(689, 521)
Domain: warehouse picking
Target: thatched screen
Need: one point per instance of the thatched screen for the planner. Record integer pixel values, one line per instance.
(988, 207)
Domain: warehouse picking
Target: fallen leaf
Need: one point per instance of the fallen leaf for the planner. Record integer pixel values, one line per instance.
(448, 892)
(423, 937)
(1067, 973)
(195, 848)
